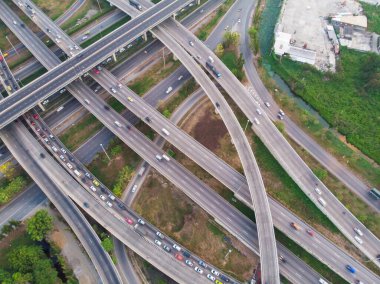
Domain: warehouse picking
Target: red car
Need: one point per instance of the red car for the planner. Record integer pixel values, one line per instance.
(96, 71)
(310, 232)
(35, 116)
(32, 122)
(179, 256)
(129, 221)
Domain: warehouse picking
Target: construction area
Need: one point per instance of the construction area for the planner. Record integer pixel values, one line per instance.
(312, 31)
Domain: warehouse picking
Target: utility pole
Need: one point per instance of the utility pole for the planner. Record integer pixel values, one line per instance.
(12, 45)
(100, 8)
(104, 150)
(163, 55)
(246, 125)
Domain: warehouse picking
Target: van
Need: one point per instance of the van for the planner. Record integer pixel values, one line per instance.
(165, 131)
(322, 202)
(77, 173)
(166, 157)
(118, 123)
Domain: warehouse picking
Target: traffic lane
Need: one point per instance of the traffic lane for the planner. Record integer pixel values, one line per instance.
(128, 272)
(71, 214)
(268, 251)
(22, 206)
(136, 26)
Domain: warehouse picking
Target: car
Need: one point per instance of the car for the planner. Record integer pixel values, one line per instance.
(310, 232)
(88, 175)
(258, 111)
(191, 43)
(54, 149)
(35, 116)
(157, 242)
(93, 188)
(239, 20)
(189, 263)
(167, 248)
(38, 129)
(358, 231)
(197, 269)
(69, 166)
(95, 71)
(112, 197)
(129, 221)
(62, 158)
(45, 102)
(160, 235)
(52, 137)
(42, 155)
(350, 268)
(224, 278)
(282, 258)
(85, 204)
(280, 117)
(267, 104)
(71, 159)
(186, 253)
(14, 22)
(281, 112)
(317, 190)
(217, 105)
(295, 226)
(215, 272)
(378, 257)
(130, 99)
(109, 204)
(178, 256)
(209, 276)
(102, 197)
(63, 150)
(134, 187)
(358, 282)
(226, 28)
(32, 122)
(122, 206)
(141, 221)
(358, 239)
(176, 247)
(170, 88)
(202, 263)
(46, 140)
(180, 78)
(113, 90)
(147, 119)
(256, 121)
(102, 189)
(218, 281)
(95, 182)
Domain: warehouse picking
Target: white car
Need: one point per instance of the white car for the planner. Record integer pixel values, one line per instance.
(62, 158)
(134, 188)
(317, 190)
(189, 263)
(359, 240)
(69, 166)
(54, 149)
(267, 104)
(197, 269)
(215, 272)
(180, 77)
(177, 247)
(109, 204)
(209, 276)
(281, 112)
(160, 235)
(157, 242)
(102, 197)
(256, 121)
(169, 90)
(63, 150)
(112, 197)
(360, 233)
(93, 188)
(258, 111)
(239, 20)
(141, 221)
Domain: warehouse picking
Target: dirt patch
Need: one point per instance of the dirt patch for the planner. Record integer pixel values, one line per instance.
(6, 242)
(174, 213)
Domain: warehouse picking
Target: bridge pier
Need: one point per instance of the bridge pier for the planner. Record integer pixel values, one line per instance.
(41, 106)
(145, 36)
(114, 57)
(174, 15)
(198, 2)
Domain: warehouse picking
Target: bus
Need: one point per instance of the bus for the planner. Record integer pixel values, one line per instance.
(374, 193)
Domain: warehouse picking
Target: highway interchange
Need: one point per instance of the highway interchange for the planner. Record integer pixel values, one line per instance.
(248, 202)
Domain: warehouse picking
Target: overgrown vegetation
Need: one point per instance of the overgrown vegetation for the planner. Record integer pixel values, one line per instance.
(348, 99)
(14, 182)
(373, 16)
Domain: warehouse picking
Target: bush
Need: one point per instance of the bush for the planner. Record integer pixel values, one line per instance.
(39, 225)
(12, 188)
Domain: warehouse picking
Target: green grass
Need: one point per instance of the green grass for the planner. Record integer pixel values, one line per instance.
(349, 99)
(373, 16)
(229, 59)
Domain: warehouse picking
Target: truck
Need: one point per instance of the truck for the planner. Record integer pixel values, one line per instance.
(295, 226)
(135, 4)
(213, 69)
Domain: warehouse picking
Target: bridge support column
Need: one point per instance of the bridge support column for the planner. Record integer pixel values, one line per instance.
(41, 106)
(198, 2)
(145, 36)
(174, 15)
(114, 57)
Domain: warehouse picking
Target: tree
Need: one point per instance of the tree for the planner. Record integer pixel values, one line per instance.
(8, 170)
(219, 50)
(22, 258)
(167, 113)
(19, 278)
(44, 272)
(5, 276)
(231, 38)
(39, 225)
(107, 244)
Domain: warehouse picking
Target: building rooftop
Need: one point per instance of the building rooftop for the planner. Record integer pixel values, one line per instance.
(360, 21)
